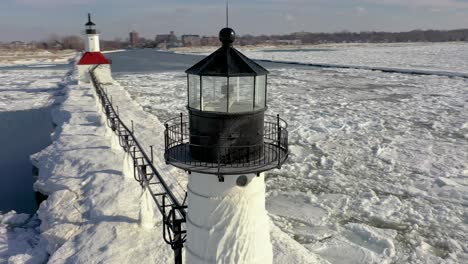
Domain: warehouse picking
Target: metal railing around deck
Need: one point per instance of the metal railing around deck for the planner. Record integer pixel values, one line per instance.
(173, 211)
(181, 152)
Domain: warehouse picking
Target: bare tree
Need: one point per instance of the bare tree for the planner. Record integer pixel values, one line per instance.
(72, 42)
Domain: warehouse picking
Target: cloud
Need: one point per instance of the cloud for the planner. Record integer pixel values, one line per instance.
(38, 3)
(404, 3)
(360, 10)
(290, 18)
(423, 3)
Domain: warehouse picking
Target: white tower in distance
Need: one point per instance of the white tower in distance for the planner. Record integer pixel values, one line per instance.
(92, 43)
(93, 57)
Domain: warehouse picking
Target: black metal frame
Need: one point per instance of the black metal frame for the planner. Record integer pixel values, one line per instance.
(173, 212)
(90, 26)
(274, 149)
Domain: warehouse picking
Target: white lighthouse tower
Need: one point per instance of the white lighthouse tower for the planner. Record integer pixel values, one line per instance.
(225, 145)
(93, 56)
(92, 43)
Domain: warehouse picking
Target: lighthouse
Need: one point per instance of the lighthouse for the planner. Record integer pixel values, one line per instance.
(92, 43)
(225, 144)
(93, 56)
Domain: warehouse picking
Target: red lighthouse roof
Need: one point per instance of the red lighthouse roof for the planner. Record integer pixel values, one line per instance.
(92, 58)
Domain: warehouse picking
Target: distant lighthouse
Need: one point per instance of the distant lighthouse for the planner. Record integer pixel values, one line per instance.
(92, 45)
(225, 144)
(93, 56)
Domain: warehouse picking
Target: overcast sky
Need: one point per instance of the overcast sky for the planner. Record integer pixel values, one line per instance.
(37, 19)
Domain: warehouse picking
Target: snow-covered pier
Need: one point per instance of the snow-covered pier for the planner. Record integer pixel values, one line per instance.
(172, 210)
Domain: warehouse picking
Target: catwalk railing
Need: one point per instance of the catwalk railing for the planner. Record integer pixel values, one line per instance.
(173, 211)
(225, 159)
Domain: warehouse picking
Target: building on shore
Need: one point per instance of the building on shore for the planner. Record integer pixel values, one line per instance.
(191, 40)
(134, 39)
(165, 41)
(295, 42)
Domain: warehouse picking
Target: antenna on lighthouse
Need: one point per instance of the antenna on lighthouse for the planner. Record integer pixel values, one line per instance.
(227, 13)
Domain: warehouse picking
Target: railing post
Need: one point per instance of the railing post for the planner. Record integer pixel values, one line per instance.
(220, 177)
(178, 242)
(181, 128)
(166, 143)
(152, 157)
(279, 140)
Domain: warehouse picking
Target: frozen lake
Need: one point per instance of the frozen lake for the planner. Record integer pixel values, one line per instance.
(378, 171)
(378, 166)
(149, 60)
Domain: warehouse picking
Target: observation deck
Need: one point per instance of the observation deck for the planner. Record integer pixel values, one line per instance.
(225, 158)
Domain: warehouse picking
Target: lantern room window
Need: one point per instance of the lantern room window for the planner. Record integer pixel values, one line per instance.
(227, 94)
(260, 92)
(194, 91)
(214, 94)
(241, 91)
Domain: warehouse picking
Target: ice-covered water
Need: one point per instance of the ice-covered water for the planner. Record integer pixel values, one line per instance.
(447, 57)
(378, 168)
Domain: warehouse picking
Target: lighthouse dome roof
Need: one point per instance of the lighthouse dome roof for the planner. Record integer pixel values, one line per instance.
(227, 61)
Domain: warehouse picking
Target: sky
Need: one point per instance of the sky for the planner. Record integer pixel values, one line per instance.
(38, 19)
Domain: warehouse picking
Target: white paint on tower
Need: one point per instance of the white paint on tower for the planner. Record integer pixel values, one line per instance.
(227, 222)
(92, 43)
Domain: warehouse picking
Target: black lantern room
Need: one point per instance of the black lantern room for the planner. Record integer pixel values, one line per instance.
(227, 81)
(226, 131)
(90, 26)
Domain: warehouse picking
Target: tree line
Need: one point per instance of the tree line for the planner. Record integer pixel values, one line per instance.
(77, 43)
(363, 37)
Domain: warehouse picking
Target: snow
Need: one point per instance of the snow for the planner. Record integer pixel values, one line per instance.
(28, 89)
(377, 172)
(148, 211)
(35, 58)
(431, 57)
(93, 207)
(95, 210)
(149, 131)
(378, 157)
(20, 241)
(25, 95)
(113, 51)
(227, 223)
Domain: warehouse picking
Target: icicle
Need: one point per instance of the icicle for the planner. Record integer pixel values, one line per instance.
(148, 217)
